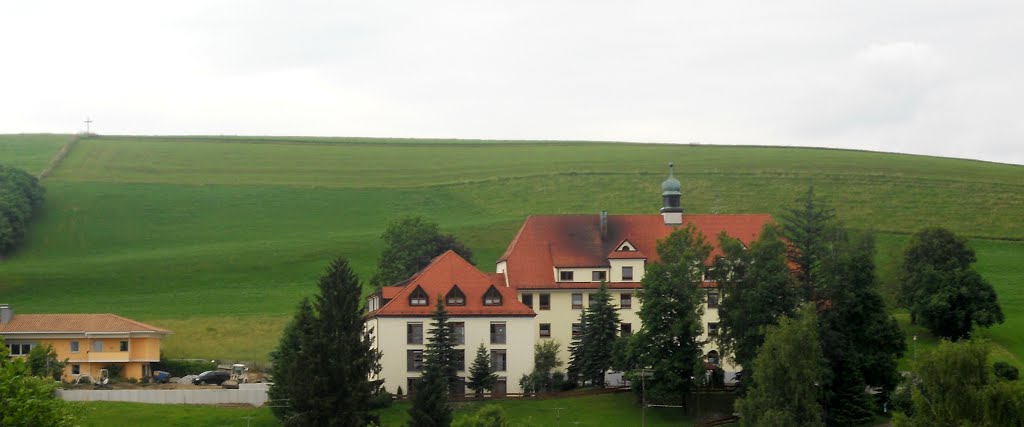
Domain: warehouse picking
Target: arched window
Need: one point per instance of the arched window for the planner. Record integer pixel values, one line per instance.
(492, 297)
(455, 296)
(713, 357)
(418, 297)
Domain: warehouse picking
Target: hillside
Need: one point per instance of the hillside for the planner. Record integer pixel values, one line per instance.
(218, 238)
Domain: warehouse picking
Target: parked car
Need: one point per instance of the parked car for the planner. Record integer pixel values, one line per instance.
(212, 377)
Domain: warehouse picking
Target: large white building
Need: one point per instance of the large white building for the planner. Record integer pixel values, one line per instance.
(552, 267)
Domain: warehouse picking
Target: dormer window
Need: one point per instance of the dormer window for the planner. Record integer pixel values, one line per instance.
(625, 246)
(455, 297)
(492, 297)
(418, 297)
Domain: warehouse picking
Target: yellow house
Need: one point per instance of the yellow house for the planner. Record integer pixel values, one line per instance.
(90, 342)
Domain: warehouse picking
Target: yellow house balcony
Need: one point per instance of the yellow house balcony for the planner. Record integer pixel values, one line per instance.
(106, 356)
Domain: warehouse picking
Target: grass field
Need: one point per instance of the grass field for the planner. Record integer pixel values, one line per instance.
(601, 410)
(218, 238)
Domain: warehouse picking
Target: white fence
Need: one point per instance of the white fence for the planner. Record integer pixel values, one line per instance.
(251, 394)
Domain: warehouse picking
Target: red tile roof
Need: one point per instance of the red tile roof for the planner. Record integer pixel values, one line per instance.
(444, 272)
(548, 241)
(75, 323)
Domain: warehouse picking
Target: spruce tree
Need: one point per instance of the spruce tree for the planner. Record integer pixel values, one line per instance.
(598, 340)
(430, 403)
(577, 357)
(806, 227)
(288, 393)
(481, 374)
(669, 341)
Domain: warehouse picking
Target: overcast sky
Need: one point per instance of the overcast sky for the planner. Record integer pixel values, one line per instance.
(929, 77)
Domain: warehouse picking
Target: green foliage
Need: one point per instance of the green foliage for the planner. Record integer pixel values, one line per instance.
(545, 361)
(27, 399)
(481, 374)
(1005, 371)
(430, 402)
(671, 313)
(591, 354)
(42, 362)
(410, 243)
(439, 355)
(21, 196)
(577, 356)
(956, 388)
(487, 416)
(183, 367)
(756, 290)
(942, 289)
(324, 359)
(787, 372)
(806, 226)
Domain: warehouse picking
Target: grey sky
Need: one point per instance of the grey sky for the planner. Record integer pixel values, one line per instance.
(928, 77)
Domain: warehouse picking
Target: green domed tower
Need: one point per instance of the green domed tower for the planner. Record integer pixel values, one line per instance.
(671, 192)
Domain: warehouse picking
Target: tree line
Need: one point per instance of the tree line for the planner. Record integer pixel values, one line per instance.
(21, 196)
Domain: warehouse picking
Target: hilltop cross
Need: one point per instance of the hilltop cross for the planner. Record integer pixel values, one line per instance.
(88, 122)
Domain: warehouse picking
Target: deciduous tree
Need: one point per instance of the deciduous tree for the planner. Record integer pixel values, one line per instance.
(21, 196)
(42, 362)
(409, 244)
(28, 400)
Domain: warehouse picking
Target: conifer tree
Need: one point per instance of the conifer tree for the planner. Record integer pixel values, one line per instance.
(481, 374)
(430, 402)
(806, 227)
(598, 340)
(288, 392)
(577, 357)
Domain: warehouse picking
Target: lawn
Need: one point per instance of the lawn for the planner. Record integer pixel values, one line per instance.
(219, 238)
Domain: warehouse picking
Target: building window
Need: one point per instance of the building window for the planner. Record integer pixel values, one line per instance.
(414, 333)
(565, 276)
(458, 387)
(713, 357)
(577, 330)
(76, 369)
(418, 297)
(499, 360)
(599, 276)
(460, 359)
(123, 346)
(492, 297)
(627, 273)
(625, 301)
(528, 300)
(19, 349)
(459, 332)
(625, 329)
(74, 347)
(455, 297)
(713, 299)
(577, 301)
(97, 345)
(545, 301)
(497, 332)
(410, 385)
(414, 360)
(545, 330)
(591, 300)
(712, 329)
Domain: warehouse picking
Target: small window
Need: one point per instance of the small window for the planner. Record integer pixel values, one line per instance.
(414, 360)
(713, 357)
(418, 297)
(577, 330)
(545, 330)
(459, 332)
(410, 385)
(123, 346)
(492, 297)
(414, 333)
(625, 301)
(19, 349)
(74, 347)
(712, 329)
(713, 299)
(76, 369)
(600, 275)
(460, 359)
(499, 360)
(497, 332)
(577, 301)
(591, 300)
(565, 276)
(455, 297)
(627, 273)
(528, 300)
(97, 345)
(545, 301)
(625, 329)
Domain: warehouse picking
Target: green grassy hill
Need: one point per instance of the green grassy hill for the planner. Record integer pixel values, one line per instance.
(218, 238)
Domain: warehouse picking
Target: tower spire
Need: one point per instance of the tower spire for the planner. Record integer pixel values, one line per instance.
(671, 192)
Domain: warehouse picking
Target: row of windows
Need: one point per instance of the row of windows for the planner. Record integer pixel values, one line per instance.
(595, 276)
(458, 388)
(455, 297)
(625, 329)
(414, 332)
(625, 301)
(414, 360)
(21, 349)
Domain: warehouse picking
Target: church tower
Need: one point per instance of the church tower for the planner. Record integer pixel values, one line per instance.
(671, 210)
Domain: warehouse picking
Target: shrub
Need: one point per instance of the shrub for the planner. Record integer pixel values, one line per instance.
(183, 367)
(1006, 371)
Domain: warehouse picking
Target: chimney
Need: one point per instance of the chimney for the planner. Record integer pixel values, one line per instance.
(604, 225)
(6, 313)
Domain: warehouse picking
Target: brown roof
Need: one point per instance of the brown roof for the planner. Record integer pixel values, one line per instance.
(545, 242)
(76, 323)
(438, 278)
